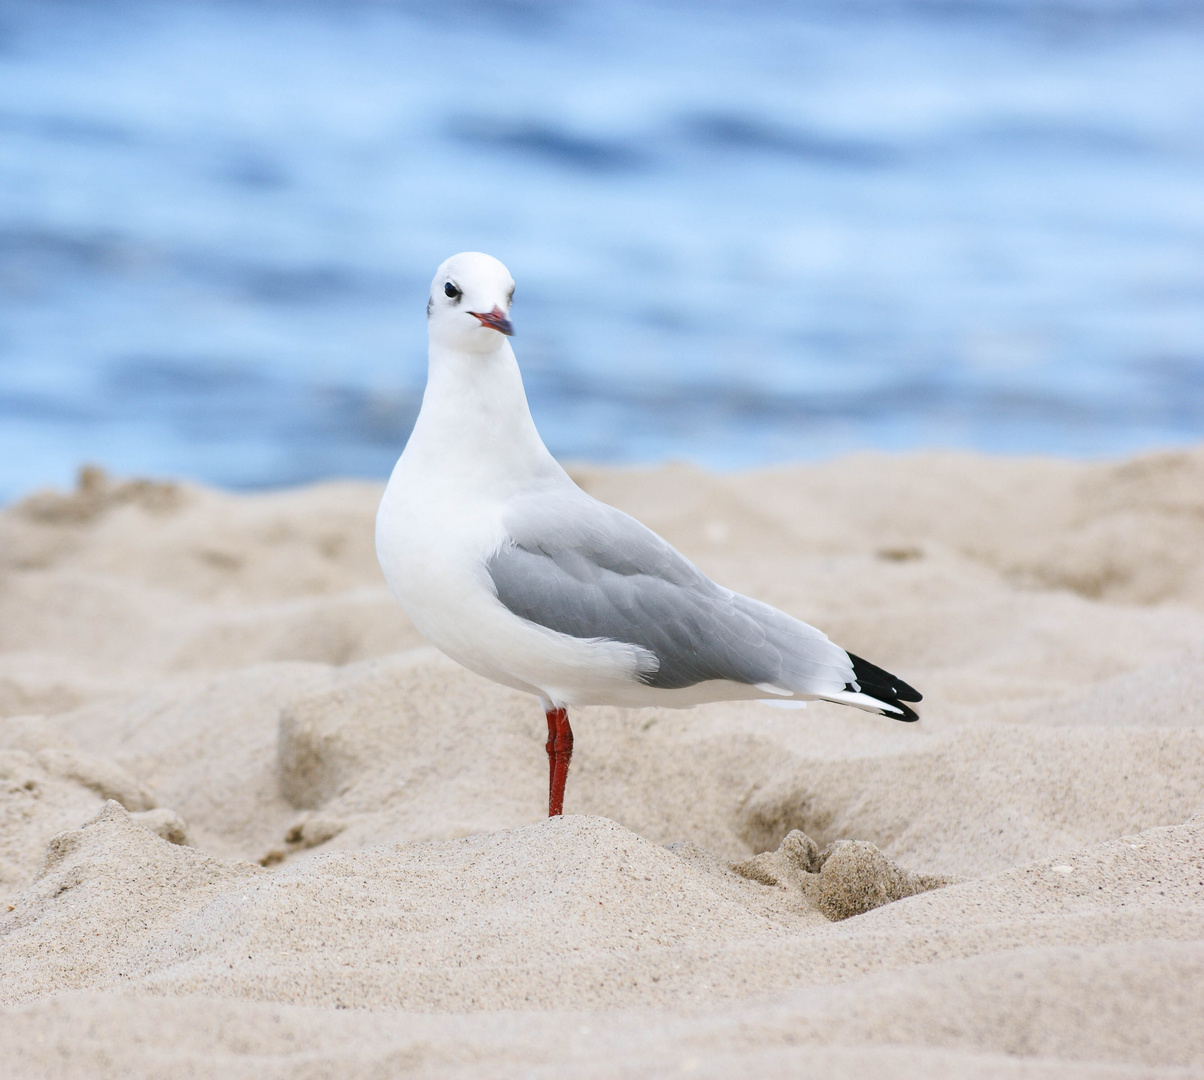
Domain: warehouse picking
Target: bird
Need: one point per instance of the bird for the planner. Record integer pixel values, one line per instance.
(508, 567)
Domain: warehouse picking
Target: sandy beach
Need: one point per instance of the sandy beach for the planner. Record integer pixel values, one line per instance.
(252, 826)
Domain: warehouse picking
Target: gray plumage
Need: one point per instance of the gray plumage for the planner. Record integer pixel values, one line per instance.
(582, 568)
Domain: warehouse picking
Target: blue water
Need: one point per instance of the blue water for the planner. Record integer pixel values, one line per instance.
(741, 233)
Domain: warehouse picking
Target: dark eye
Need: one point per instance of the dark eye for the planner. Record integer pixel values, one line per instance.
(450, 290)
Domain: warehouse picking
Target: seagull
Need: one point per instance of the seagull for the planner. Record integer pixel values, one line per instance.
(502, 562)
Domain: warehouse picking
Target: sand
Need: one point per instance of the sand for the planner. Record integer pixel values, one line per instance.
(251, 826)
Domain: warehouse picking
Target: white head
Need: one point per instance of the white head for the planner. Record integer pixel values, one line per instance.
(469, 308)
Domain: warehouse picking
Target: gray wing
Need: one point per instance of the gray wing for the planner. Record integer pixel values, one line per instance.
(585, 569)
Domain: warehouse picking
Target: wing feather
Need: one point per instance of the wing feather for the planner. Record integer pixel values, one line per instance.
(585, 569)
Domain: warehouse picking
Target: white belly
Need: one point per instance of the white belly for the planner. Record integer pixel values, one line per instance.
(433, 552)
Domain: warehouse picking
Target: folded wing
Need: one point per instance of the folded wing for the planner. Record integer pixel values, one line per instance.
(585, 569)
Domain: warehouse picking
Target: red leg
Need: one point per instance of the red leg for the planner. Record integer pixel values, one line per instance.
(550, 746)
(560, 753)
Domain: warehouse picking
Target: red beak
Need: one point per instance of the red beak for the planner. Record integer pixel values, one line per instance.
(495, 320)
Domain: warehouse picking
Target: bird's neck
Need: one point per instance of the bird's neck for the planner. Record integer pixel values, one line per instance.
(475, 426)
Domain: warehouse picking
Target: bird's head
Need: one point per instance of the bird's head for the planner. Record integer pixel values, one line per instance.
(469, 306)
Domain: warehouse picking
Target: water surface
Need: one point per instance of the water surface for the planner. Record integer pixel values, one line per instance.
(741, 233)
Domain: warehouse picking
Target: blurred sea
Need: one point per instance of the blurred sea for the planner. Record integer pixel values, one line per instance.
(741, 233)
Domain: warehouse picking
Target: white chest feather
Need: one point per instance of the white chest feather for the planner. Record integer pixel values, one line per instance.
(473, 450)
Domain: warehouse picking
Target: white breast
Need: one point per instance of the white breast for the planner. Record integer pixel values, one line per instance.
(442, 517)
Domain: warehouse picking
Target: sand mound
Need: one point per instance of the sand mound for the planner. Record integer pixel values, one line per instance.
(324, 844)
(1062, 969)
(978, 800)
(576, 912)
(565, 912)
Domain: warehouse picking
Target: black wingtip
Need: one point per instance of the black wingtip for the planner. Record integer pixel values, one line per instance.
(910, 716)
(871, 677)
(887, 688)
